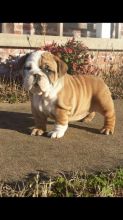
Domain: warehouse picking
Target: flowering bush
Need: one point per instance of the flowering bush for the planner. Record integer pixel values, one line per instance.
(75, 54)
(79, 61)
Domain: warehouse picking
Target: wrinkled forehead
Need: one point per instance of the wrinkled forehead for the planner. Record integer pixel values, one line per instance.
(41, 58)
(35, 57)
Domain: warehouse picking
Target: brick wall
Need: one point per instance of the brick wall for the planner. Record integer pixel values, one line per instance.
(85, 29)
(36, 28)
(17, 28)
(28, 28)
(104, 60)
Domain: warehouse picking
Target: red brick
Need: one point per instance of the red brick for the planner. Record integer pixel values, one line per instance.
(27, 26)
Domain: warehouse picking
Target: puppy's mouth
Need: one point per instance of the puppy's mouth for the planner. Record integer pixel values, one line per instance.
(37, 78)
(36, 89)
(40, 84)
(36, 84)
(36, 81)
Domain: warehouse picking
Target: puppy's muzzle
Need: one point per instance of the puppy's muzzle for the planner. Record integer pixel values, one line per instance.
(37, 77)
(36, 80)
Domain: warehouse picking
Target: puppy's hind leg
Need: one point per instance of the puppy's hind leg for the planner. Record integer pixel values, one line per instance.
(109, 123)
(89, 117)
(108, 111)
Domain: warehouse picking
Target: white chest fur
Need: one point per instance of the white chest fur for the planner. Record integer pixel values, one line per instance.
(46, 104)
(43, 104)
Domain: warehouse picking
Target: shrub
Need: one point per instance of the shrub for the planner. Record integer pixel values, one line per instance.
(79, 60)
(75, 54)
(11, 70)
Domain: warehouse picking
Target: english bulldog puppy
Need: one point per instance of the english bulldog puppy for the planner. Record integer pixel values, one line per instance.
(64, 97)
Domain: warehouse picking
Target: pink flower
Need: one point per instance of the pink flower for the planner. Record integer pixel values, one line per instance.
(69, 50)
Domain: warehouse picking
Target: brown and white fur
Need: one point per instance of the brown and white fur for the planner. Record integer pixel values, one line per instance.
(64, 97)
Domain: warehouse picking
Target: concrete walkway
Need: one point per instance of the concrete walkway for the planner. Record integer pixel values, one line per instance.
(82, 148)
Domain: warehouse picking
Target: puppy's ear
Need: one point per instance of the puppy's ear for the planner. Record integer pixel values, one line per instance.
(61, 66)
(21, 60)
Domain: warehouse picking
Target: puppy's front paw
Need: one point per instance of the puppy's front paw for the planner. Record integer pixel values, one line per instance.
(37, 132)
(55, 134)
(58, 131)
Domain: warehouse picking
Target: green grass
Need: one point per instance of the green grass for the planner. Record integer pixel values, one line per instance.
(103, 184)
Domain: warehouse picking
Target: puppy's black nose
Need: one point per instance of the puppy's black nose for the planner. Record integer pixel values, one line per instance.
(36, 76)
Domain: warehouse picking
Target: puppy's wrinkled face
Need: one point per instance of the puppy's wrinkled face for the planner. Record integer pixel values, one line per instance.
(41, 71)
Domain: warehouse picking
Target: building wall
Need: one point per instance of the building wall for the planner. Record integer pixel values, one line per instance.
(101, 59)
(17, 28)
(69, 29)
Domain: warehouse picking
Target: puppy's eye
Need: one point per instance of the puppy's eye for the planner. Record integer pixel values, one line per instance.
(47, 69)
(27, 67)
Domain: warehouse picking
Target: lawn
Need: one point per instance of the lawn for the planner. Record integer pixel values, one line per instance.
(108, 184)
